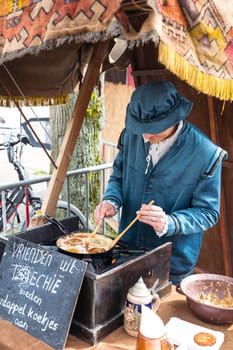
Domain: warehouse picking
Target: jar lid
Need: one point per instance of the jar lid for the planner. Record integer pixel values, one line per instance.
(140, 289)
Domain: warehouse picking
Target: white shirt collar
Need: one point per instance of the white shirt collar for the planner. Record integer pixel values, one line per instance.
(157, 150)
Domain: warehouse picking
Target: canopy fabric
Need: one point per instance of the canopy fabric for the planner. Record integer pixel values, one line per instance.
(46, 45)
(40, 42)
(197, 43)
(30, 26)
(42, 56)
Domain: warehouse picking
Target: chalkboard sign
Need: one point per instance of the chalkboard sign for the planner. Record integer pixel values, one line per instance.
(39, 289)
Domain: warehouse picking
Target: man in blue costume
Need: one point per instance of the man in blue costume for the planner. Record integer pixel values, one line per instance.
(163, 157)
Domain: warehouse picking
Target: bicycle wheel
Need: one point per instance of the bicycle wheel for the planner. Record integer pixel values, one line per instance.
(64, 210)
(16, 221)
(14, 212)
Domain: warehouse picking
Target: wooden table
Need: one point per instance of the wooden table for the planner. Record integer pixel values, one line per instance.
(172, 305)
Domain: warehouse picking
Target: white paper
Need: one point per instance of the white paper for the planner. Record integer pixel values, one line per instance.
(181, 332)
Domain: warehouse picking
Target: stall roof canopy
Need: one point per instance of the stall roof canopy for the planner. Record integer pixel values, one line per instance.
(46, 45)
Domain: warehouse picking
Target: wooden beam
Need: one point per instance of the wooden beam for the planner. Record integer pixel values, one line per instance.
(73, 129)
(222, 220)
(152, 72)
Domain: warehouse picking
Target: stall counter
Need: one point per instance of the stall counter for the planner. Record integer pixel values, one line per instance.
(172, 305)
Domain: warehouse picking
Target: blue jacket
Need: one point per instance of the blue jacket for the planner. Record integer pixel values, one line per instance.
(185, 183)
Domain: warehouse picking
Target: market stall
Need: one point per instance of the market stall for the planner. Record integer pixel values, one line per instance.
(49, 48)
(190, 45)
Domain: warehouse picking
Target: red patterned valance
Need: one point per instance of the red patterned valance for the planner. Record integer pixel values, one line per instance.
(197, 43)
(40, 41)
(45, 43)
(31, 25)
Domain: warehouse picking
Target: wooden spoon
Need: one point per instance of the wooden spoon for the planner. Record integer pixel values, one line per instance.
(93, 233)
(114, 242)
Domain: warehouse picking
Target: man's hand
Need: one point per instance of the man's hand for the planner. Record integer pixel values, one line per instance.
(104, 209)
(154, 216)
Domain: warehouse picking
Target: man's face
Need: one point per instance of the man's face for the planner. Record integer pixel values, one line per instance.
(155, 138)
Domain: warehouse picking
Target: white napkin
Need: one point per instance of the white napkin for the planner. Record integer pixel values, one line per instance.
(151, 325)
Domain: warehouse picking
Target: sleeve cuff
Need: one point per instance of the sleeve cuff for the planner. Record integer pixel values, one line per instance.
(112, 203)
(173, 225)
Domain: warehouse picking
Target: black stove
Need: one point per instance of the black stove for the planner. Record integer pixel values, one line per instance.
(97, 265)
(100, 305)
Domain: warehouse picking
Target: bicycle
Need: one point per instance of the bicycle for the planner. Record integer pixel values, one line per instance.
(19, 204)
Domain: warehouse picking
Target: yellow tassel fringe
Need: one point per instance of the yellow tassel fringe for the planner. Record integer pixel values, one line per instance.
(203, 82)
(6, 101)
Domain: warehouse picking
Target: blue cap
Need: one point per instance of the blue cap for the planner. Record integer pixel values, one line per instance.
(155, 107)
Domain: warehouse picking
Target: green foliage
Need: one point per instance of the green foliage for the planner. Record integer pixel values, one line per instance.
(87, 153)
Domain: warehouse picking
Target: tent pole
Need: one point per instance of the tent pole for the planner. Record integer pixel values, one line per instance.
(222, 219)
(73, 129)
